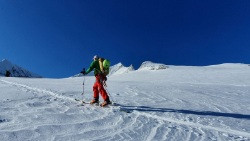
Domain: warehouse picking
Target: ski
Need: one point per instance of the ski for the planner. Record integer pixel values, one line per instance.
(82, 103)
(110, 105)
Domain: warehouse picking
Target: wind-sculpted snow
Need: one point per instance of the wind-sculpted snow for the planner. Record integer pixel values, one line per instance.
(178, 103)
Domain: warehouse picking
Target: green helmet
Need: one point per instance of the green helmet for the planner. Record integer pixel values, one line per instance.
(106, 64)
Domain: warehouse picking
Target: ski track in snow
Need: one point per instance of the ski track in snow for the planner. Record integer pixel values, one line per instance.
(197, 125)
(101, 123)
(37, 90)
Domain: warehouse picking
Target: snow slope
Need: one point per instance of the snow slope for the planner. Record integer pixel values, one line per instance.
(15, 70)
(178, 103)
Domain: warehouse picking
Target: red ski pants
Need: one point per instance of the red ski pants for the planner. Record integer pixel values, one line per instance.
(98, 88)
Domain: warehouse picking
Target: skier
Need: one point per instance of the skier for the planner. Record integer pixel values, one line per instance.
(101, 70)
(7, 74)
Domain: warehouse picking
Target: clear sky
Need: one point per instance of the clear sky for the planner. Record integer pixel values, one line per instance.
(57, 38)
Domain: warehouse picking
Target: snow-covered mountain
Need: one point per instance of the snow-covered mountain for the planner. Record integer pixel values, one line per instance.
(120, 69)
(15, 70)
(148, 65)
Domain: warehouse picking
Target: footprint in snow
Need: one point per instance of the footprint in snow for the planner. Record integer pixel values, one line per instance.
(35, 104)
(2, 120)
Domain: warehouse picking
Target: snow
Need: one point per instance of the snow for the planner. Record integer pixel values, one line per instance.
(15, 70)
(148, 65)
(177, 103)
(120, 69)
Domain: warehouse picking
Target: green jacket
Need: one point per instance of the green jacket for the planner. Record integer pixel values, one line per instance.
(94, 65)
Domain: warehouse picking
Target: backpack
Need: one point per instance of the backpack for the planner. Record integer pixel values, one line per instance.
(104, 65)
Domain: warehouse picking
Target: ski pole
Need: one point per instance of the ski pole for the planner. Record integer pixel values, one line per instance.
(109, 94)
(83, 83)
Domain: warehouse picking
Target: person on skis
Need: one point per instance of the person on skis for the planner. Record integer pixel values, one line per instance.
(7, 74)
(100, 74)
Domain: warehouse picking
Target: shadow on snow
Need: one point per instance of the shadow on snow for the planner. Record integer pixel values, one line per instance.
(130, 109)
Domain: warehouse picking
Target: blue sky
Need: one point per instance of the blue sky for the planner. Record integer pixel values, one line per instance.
(57, 38)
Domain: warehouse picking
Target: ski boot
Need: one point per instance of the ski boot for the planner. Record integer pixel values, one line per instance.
(94, 101)
(105, 103)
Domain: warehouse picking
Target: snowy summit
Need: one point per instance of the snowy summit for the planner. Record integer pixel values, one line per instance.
(15, 70)
(120, 69)
(148, 65)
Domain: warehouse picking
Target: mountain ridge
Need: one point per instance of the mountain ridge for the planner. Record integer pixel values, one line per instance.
(15, 70)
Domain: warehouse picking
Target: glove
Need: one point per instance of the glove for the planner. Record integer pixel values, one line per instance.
(83, 71)
(105, 78)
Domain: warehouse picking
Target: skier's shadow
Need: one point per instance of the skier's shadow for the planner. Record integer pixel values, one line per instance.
(130, 109)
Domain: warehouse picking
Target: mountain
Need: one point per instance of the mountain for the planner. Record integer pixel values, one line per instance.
(15, 70)
(148, 65)
(120, 69)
